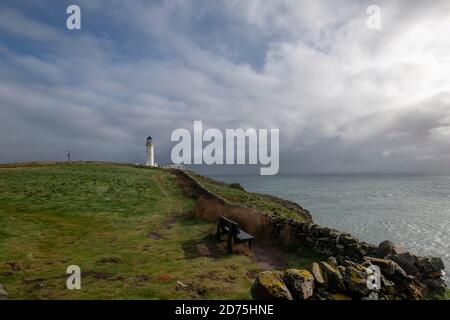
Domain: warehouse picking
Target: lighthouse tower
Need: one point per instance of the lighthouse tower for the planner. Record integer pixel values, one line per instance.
(150, 153)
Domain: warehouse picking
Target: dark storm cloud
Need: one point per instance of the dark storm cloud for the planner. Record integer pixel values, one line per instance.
(344, 97)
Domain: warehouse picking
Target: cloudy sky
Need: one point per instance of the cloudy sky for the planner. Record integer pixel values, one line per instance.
(346, 98)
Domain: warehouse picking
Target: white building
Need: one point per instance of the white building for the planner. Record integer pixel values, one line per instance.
(150, 162)
(173, 166)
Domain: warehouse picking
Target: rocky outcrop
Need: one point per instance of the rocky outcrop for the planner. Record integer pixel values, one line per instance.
(388, 267)
(404, 272)
(270, 285)
(323, 240)
(332, 276)
(355, 280)
(318, 275)
(420, 276)
(426, 270)
(329, 280)
(407, 262)
(387, 247)
(300, 283)
(430, 264)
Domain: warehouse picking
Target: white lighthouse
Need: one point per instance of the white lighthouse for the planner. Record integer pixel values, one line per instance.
(150, 153)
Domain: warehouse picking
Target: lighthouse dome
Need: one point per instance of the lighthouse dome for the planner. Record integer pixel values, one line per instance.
(149, 141)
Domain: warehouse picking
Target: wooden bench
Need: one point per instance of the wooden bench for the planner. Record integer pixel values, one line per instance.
(235, 235)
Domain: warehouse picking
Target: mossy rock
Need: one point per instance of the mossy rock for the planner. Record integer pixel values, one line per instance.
(269, 285)
(356, 282)
(318, 274)
(332, 276)
(300, 283)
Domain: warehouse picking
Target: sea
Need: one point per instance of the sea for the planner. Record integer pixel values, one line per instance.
(411, 210)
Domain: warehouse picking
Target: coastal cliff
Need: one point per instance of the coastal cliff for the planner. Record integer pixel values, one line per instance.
(403, 274)
(148, 233)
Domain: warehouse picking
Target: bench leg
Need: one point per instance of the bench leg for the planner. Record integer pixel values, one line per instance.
(230, 244)
(219, 232)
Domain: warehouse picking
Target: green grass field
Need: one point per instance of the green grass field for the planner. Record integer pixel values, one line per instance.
(127, 228)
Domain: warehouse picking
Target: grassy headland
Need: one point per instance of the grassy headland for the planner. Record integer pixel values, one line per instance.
(262, 202)
(129, 230)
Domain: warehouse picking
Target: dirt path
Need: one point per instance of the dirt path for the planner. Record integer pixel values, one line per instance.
(269, 257)
(264, 254)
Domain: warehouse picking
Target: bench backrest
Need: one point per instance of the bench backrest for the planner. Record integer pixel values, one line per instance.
(232, 226)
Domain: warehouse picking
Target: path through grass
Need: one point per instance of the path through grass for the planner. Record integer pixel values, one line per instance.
(127, 228)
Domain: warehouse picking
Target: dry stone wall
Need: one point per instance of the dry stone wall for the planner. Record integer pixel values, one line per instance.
(396, 264)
